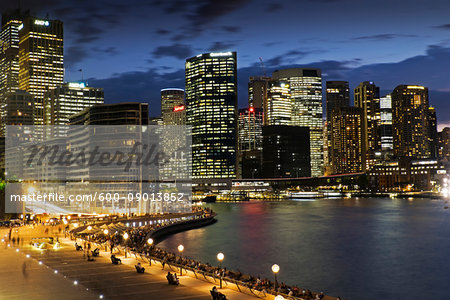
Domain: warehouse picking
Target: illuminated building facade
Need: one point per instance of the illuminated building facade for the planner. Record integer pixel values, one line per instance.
(347, 151)
(387, 145)
(250, 142)
(19, 108)
(337, 96)
(9, 58)
(68, 99)
(211, 110)
(279, 104)
(258, 88)
(305, 89)
(286, 152)
(444, 143)
(412, 122)
(41, 63)
(367, 97)
(170, 98)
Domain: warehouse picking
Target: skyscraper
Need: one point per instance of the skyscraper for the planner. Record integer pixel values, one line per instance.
(258, 88)
(386, 125)
(171, 97)
(411, 122)
(305, 89)
(250, 142)
(19, 108)
(286, 151)
(444, 143)
(337, 96)
(279, 104)
(68, 99)
(41, 66)
(9, 58)
(211, 110)
(347, 151)
(367, 97)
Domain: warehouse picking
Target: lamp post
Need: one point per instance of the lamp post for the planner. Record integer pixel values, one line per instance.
(275, 270)
(180, 249)
(125, 236)
(106, 231)
(150, 243)
(220, 258)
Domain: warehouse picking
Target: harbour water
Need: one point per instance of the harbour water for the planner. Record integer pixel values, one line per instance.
(353, 248)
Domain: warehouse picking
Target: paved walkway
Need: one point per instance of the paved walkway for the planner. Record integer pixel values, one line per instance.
(95, 278)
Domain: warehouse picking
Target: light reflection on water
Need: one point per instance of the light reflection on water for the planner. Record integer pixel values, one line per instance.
(356, 248)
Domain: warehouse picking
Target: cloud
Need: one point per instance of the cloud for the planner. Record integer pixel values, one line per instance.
(74, 55)
(272, 7)
(443, 26)
(232, 29)
(287, 57)
(383, 37)
(109, 50)
(141, 86)
(180, 51)
(221, 46)
(162, 31)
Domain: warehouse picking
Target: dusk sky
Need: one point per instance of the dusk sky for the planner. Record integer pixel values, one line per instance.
(134, 48)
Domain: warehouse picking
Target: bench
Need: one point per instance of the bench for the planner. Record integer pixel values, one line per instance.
(139, 269)
(115, 260)
(217, 295)
(171, 280)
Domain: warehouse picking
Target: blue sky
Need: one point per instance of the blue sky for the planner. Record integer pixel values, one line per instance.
(134, 48)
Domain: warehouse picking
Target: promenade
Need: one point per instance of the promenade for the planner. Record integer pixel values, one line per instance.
(99, 279)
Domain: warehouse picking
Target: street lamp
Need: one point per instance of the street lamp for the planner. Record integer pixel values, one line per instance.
(125, 236)
(180, 249)
(220, 258)
(275, 270)
(150, 243)
(279, 297)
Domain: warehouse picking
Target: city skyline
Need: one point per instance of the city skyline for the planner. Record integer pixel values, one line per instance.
(138, 69)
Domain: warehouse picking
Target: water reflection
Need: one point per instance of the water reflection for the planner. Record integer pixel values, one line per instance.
(356, 248)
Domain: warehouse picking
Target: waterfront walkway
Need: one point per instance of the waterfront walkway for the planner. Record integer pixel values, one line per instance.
(97, 279)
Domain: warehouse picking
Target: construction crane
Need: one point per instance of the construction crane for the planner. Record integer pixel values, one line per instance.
(262, 66)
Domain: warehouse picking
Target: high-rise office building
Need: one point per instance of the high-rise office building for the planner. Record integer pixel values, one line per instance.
(432, 132)
(286, 152)
(250, 142)
(258, 88)
(367, 97)
(387, 145)
(211, 110)
(337, 96)
(412, 122)
(171, 97)
(250, 129)
(347, 151)
(279, 104)
(9, 58)
(305, 89)
(126, 113)
(444, 143)
(19, 108)
(41, 63)
(65, 100)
